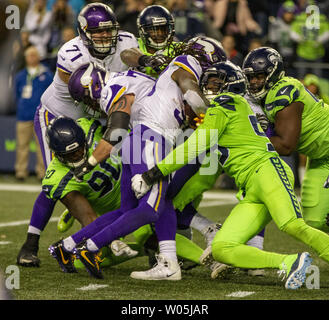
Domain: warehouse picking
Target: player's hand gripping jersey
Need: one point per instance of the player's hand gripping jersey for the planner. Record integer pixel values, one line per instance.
(314, 136)
(101, 186)
(72, 55)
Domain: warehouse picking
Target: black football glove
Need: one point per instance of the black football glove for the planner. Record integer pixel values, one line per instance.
(154, 61)
(263, 121)
(80, 171)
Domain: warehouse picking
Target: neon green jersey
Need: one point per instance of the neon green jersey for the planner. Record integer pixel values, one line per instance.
(314, 136)
(168, 51)
(101, 186)
(231, 130)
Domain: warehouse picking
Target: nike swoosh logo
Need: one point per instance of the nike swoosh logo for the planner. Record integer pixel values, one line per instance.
(171, 274)
(283, 91)
(212, 114)
(83, 253)
(65, 261)
(62, 57)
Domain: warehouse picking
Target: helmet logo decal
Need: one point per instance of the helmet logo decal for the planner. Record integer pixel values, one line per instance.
(72, 146)
(83, 22)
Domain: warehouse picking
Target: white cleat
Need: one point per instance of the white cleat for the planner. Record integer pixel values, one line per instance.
(206, 258)
(164, 269)
(210, 232)
(121, 249)
(297, 274)
(217, 269)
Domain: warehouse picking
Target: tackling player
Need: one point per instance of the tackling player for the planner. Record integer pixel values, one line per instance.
(71, 142)
(153, 134)
(266, 182)
(100, 41)
(300, 121)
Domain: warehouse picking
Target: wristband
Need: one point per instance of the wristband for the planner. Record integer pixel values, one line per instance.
(152, 176)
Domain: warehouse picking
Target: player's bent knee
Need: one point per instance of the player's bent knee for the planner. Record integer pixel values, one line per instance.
(222, 251)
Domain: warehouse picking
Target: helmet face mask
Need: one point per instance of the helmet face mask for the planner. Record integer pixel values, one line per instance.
(156, 27)
(104, 39)
(263, 67)
(68, 141)
(98, 29)
(222, 77)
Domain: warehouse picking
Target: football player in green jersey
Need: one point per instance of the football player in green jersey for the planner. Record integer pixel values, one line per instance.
(231, 130)
(71, 143)
(156, 28)
(301, 123)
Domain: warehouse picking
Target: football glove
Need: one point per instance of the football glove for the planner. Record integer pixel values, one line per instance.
(139, 186)
(142, 183)
(80, 171)
(263, 121)
(154, 61)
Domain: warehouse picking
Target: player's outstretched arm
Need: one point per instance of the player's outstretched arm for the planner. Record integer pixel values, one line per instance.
(131, 56)
(116, 130)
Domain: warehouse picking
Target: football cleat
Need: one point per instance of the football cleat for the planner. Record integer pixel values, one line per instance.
(210, 232)
(296, 271)
(64, 258)
(27, 258)
(89, 259)
(219, 270)
(165, 269)
(120, 248)
(65, 221)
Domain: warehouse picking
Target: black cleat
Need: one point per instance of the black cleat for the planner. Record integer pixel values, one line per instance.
(28, 255)
(64, 258)
(28, 258)
(89, 259)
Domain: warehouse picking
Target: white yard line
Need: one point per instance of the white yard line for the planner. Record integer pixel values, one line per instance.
(20, 187)
(93, 287)
(240, 294)
(22, 222)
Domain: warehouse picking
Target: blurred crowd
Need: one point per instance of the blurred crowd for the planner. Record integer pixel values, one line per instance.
(298, 29)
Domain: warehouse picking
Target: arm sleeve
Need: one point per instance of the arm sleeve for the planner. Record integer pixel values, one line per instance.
(202, 139)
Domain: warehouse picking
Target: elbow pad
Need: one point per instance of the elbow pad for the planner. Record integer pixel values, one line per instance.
(117, 127)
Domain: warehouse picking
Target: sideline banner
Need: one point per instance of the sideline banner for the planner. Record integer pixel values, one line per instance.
(8, 146)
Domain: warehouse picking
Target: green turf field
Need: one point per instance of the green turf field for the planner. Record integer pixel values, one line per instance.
(49, 283)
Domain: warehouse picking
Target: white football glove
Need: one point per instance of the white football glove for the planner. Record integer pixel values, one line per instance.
(139, 186)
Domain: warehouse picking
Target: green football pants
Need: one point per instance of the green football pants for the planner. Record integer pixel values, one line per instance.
(269, 194)
(315, 198)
